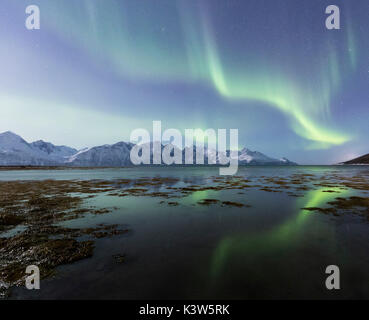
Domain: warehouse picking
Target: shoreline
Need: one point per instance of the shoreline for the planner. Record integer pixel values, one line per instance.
(28, 167)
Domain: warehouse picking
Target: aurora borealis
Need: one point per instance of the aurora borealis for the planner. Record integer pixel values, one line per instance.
(98, 69)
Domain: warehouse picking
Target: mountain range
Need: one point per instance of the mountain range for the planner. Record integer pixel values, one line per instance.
(15, 151)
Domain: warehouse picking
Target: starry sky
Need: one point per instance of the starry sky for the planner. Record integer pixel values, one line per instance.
(98, 69)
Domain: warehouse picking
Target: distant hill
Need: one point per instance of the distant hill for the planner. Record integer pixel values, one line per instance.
(360, 160)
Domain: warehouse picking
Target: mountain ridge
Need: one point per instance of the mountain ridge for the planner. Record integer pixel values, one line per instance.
(15, 151)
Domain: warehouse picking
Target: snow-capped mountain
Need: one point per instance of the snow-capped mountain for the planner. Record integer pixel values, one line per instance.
(115, 155)
(58, 152)
(14, 151)
(246, 156)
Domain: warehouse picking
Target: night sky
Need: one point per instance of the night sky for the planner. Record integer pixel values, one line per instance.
(97, 69)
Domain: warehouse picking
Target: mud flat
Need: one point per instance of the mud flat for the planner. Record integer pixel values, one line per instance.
(35, 208)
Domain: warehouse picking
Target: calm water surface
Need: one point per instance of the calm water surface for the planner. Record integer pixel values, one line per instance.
(273, 249)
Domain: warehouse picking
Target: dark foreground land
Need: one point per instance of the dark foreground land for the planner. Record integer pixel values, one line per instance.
(360, 160)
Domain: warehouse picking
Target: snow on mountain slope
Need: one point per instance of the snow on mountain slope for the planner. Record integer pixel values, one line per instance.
(10, 142)
(246, 156)
(76, 155)
(115, 155)
(14, 150)
(58, 152)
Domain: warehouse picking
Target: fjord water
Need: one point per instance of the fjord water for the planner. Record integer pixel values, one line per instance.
(272, 249)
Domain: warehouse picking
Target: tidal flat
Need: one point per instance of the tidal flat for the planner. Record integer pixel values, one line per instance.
(186, 233)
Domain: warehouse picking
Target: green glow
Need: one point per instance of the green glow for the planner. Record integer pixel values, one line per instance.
(285, 235)
(276, 91)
